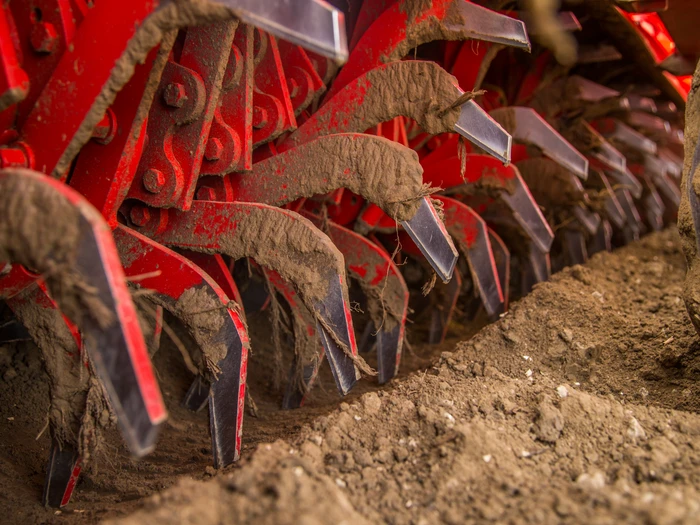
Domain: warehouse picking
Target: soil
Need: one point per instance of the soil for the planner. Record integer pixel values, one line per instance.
(579, 405)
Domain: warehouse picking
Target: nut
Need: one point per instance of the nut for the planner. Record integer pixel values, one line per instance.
(44, 37)
(140, 215)
(214, 149)
(174, 95)
(153, 180)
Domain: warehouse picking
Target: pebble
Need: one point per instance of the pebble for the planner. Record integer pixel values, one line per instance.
(333, 439)
(363, 457)
(450, 419)
(372, 403)
(562, 391)
(635, 431)
(566, 335)
(550, 422)
(344, 421)
(313, 452)
(401, 454)
(594, 481)
(510, 336)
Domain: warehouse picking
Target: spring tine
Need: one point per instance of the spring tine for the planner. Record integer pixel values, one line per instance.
(226, 389)
(450, 20)
(478, 127)
(575, 246)
(588, 219)
(615, 130)
(62, 472)
(602, 240)
(116, 346)
(442, 313)
(469, 229)
(312, 24)
(268, 235)
(526, 125)
(429, 233)
(529, 216)
(634, 221)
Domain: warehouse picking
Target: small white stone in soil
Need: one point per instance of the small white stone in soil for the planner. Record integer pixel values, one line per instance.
(593, 481)
(526, 357)
(528, 373)
(635, 431)
(298, 471)
(450, 419)
(340, 483)
(357, 418)
(487, 458)
(562, 391)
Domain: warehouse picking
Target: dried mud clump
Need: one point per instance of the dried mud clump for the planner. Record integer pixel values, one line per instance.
(384, 172)
(416, 89)
(290, 245)
(204, 316)
(69, 379)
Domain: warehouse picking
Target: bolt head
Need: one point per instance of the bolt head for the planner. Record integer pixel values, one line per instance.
(44, 37)
(205, 193)
(174, 95)
(140, 215)
(214, 149)
(153, 180)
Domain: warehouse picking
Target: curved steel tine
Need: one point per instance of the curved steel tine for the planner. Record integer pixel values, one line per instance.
(113, 337)
(526, 125)
(271, 236)
(200, 303)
